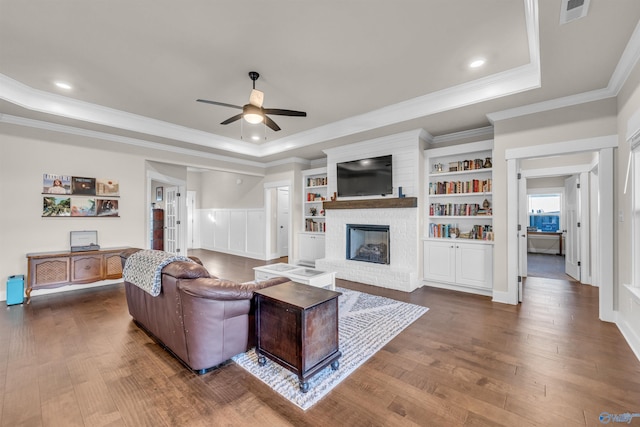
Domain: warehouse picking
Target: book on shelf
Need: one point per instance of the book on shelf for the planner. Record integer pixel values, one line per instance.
(461, 187)
(315, 226)
(316, 182)
(446, 231)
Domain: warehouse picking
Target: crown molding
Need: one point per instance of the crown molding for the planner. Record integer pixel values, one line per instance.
(72, 130)
(484, 132)
(509, 82)
(625, 65)
(37, 100)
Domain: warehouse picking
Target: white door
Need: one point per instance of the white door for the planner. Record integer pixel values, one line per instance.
(523, 222)
(282, 221)
(192, 223)
(170, 221)
(572, 219)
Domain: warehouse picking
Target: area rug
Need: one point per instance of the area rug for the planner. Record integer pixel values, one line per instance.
(366, 323)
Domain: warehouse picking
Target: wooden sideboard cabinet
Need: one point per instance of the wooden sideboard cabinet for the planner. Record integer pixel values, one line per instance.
(55, 269)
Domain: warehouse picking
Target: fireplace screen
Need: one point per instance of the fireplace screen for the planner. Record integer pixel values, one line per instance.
(368, 243)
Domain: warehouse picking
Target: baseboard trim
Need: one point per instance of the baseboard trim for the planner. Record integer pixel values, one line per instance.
(628, 333)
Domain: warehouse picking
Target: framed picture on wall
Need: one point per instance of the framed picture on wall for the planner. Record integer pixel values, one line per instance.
(82, 206)
(85, 186)
(56, 206)
(159, 191)
(56, 184)
(107, 207)
(107, 187)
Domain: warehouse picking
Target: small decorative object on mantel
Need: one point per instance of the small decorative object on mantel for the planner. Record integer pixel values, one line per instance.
(333, 198)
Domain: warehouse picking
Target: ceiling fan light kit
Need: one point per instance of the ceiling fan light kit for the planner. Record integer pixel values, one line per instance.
(253, 112)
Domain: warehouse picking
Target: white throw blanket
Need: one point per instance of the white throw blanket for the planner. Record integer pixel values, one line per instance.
(144, 269)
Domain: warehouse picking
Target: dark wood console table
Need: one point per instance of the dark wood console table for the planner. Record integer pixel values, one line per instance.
(56, 269)
(297, 327)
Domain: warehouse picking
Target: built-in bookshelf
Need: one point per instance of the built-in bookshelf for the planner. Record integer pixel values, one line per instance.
(315, 192)
(458, 234)
(311, 238)
(459, 192)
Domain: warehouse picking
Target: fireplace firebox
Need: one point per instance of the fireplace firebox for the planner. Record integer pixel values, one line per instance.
(368, 243)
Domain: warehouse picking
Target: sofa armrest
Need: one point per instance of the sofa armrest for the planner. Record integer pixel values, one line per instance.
(222, 289)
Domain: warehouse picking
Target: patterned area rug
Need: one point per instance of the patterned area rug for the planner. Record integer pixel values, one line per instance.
(366, 323)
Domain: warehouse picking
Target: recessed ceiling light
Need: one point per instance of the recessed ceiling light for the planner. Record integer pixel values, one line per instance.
(477, 63)
(255, 138)
(63, 85)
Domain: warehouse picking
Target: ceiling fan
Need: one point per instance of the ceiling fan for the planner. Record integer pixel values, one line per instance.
(253, 112)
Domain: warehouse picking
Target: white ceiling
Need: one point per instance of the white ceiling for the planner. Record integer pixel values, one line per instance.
(359, 68)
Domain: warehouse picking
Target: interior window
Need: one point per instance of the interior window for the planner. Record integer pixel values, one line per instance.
(545, 211)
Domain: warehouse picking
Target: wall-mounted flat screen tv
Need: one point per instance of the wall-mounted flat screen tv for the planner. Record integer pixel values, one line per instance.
(365, 177)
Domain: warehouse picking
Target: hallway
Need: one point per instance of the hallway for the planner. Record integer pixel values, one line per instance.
(547, 266)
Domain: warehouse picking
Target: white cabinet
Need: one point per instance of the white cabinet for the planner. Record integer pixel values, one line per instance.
(311, 248)
(311, 237)
(459, 264)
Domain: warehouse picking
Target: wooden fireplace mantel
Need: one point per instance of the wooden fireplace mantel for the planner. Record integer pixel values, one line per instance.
(404, 202)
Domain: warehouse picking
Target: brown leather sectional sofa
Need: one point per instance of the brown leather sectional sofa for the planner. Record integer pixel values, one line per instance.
(201, 319)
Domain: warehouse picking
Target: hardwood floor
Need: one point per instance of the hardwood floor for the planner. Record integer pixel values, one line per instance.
(77, 359)
(547, 266)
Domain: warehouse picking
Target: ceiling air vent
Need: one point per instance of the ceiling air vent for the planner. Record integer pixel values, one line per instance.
(573, 9)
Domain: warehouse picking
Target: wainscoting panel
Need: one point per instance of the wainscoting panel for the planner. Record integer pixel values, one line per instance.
(234, 231)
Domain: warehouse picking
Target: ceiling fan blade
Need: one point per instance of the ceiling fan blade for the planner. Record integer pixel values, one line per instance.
(232, 119)
(223, 104)
(281, 112)
(271, 124)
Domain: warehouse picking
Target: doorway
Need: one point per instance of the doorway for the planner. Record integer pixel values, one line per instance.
(602, 262)
(277, 196)
(282, 220)
(167, 193)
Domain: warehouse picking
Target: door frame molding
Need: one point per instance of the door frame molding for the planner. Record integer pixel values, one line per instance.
(182, 206)
(604, 145)
(268, 187)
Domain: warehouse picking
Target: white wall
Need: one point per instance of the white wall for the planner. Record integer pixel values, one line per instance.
(628, 304)
(228, 190)
(577, 122)
(22, 228)
(26, 154)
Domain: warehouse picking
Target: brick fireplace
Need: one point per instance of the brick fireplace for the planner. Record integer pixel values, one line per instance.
(401, 272)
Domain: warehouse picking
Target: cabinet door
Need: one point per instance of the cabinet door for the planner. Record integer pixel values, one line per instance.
(112, 266)
(439, 261)
(311, 247)
(49, 271)
(86, 268)
(474, 265)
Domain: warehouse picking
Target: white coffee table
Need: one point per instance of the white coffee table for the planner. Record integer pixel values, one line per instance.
(298, 274)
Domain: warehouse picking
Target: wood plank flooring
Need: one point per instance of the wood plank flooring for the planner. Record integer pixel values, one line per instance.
(77, 359)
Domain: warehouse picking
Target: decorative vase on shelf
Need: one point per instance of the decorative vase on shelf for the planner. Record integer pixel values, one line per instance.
(487, 162)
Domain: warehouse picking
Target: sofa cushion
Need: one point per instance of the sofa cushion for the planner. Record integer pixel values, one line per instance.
(185, 270)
